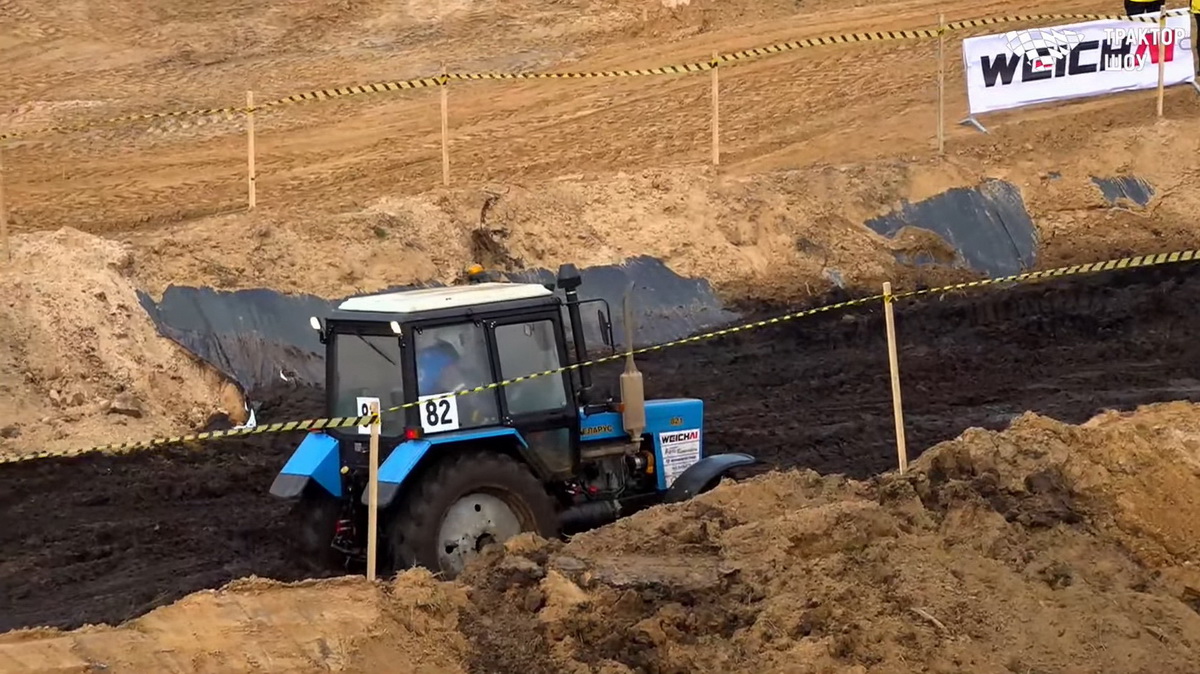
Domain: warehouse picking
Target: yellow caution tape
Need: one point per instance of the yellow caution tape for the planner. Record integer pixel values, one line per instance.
(702, 66)
(83, 126)
(684, 68)
(349, 422)
(342, 92)
(305, 97)
(1089, 268)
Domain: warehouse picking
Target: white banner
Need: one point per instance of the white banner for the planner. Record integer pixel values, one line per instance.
(1076, 60)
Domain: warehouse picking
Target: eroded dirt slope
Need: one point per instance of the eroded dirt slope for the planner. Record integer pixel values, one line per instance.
(783, 234)
(81, 363)
(1046, 547)
(1031, 556)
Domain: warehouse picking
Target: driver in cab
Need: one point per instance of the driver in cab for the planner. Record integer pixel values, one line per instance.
(440, 370)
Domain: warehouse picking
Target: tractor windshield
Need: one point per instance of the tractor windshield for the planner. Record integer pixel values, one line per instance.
(367, 366)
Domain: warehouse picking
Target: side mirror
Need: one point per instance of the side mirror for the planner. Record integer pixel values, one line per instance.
(315, 324)
(606, 334)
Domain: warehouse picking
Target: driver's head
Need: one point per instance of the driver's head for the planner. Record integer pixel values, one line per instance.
(437, 368)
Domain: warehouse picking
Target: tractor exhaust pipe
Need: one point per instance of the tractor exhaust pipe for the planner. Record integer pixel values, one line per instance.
(569, 280)
(633, 393)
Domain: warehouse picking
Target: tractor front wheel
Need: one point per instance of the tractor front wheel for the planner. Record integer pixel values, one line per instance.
(461, 505)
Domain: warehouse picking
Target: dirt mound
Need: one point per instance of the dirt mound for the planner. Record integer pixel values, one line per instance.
(80, 362)
(1016, 551)
(1045, 547)
(1136, 474)
(253, 625)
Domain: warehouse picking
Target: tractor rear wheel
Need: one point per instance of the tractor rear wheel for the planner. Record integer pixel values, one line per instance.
(464, 503)
(314, 519)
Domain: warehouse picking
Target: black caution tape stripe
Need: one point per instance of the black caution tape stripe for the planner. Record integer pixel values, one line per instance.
(348, 422)
(29, 140)
(305, 97)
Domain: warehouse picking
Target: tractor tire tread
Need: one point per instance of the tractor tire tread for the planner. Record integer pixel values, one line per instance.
(417, 515)
(314, 517)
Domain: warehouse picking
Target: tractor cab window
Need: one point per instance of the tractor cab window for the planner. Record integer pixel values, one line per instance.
(528, 348)
(368, 366)
(453, 358)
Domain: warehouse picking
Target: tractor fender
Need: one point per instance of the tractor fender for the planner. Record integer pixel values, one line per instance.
(316, 460)
(700, 474)
(405, 458)
(394, 469)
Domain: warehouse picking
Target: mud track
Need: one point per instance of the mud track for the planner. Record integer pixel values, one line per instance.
(96, 539)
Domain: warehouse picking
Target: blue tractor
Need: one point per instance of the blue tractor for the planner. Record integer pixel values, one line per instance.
(545, 454)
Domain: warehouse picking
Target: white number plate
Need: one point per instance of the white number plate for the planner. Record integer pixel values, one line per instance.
(438, 415)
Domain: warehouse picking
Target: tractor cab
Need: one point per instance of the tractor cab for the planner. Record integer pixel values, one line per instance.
(417, 346)
(467, 459)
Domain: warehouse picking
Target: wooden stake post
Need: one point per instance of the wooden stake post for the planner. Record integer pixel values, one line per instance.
(373, 495)
(894, 365)
(716, 116)
(251, 192)
(445, 131)
(941, 112)
(1162, 57)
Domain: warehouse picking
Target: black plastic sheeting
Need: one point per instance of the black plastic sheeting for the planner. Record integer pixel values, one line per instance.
(251, 335)
(1125, 187)
(987, 225)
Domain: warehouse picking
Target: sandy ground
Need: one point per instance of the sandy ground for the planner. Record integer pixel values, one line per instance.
(1045, 547)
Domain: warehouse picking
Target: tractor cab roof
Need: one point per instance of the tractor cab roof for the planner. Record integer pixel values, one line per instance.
(444, 302)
